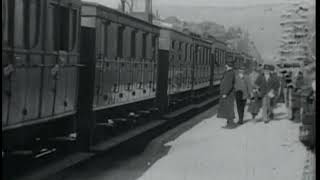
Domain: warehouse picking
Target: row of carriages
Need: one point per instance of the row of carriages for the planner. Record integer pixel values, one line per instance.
(69, 65)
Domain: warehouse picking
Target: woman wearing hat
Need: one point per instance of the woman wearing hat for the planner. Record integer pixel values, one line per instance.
(242, 91)
(226, 102)
(256, 100)
(267, 85)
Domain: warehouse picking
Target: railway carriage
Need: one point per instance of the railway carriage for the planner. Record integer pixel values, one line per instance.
(176, 52)
(201, 62)
(218, 53)
(230, 55)
(126, 59)
(239, 60)
(72, 67)
(40, 61)
(122, 55)
(185, 65)
(248, 62)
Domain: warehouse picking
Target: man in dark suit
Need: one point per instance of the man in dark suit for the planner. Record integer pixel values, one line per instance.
(267, 85)
(276, 79)
(242, 91)
(226, 103)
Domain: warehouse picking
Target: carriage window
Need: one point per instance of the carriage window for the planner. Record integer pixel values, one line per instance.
(186, 51)
(208, 60)
(154, 43)
(172, 44)
(144, 45)
(180, 45)
(101, 40)
(202, 55)
(61, 28)
(19, 22)
(5, 21)
(220, 54)
(34, 20)
(133, 44)
(190, 53)
(206, 56)
(199, 55)
(120, 42)
(106, 38)
(74, 15)
(223, 57)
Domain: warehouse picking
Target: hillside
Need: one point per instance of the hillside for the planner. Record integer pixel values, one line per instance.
(261, 21)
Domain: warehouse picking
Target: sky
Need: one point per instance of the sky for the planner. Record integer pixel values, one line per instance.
(114, 3)
(272, 31)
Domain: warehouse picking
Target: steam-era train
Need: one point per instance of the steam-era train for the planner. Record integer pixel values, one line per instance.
(70, 66)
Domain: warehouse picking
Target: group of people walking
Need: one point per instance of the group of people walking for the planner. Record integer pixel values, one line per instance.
(262, 89)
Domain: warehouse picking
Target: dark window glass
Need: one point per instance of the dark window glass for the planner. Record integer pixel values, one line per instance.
(133, 44)
(144, 45)
(5, 21)
(186, 52)
(19, 19)
(172, 44)
(190, 53)
(154, 43)
(34, 15)
(106, 38)
(120, 42)
(61, 28)
(74, 15)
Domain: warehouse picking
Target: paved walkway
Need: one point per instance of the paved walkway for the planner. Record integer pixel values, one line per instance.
(253, 151)
(200, 149)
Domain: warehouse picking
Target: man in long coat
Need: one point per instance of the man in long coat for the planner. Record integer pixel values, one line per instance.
(226, 103)
(276, 79)
(296, 97)
(267, 88)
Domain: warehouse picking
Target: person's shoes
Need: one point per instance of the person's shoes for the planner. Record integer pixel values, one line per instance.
(240, 122)
(230, 126)
(266, 122)
(271, 116)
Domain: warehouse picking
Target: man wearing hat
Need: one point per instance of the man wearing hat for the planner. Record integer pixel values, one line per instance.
(267, 87)
(274, 100)
(226, 102)
(242, 91)
(283, 86)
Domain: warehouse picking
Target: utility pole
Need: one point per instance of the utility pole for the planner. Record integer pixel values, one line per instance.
(123, 5)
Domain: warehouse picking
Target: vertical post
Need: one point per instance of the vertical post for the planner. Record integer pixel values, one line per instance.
(86, 119)
(148, 10)
(162, 83)
(123, 5)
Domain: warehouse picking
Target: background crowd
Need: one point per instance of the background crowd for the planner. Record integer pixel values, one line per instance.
(262, 88)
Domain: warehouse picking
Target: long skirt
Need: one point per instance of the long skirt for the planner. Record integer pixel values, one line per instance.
(255, 104)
